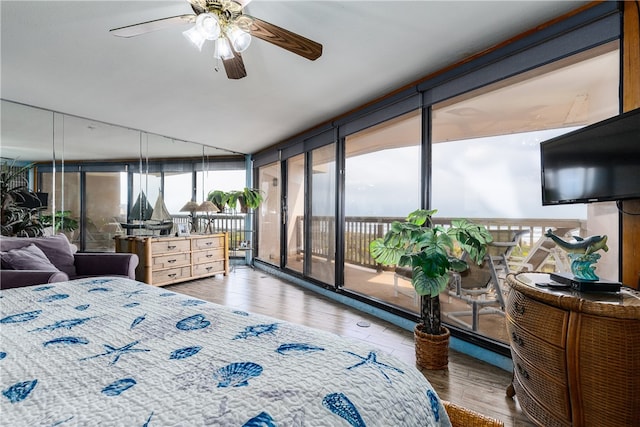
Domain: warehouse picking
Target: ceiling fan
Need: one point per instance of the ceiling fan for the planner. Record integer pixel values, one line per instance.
(225, 23)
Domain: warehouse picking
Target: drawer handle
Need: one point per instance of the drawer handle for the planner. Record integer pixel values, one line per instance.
(172, 275)
(516, 339)
(518, 308)
(171, 246)
(209, 243)
(523, 371)
(209, 268)
(171, 261)
(209, 256)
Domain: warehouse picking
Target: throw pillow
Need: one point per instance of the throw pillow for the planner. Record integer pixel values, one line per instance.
(28, 258)
(57, 248)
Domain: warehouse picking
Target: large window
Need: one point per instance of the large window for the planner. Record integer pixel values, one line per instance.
(225, 180)
(486, 167)
(382, 184)
(146, 190)
(177, 190)
(295, 213)
(103, 209)
(268, 214)
(320, 256)
(64, 198)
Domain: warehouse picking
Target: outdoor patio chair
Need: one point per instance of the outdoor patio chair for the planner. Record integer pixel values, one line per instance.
(480, 286)
(542, 250)
(404, 273)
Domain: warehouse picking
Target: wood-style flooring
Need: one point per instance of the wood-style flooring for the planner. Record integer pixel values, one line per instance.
(468, 382)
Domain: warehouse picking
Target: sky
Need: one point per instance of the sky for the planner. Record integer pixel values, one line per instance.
(493, 177)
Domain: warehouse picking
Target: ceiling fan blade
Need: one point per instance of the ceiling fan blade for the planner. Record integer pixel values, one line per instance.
(149, 26)
(235, 67)
(286, 39)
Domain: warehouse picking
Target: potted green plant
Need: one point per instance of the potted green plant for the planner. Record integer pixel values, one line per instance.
(233, 197)
(250, 198)
(219, 198)
(428, 250)
(63, 222)
(16, 217)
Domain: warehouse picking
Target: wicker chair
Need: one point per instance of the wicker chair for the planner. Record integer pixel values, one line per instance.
(463, 417)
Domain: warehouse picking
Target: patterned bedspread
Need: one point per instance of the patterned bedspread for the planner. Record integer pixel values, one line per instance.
(116, 352)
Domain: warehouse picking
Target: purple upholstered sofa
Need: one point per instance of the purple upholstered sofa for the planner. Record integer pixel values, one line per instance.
(36, 260)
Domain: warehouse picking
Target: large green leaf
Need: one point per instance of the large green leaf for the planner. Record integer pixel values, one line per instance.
(457, 265)
(472, 238)
(421, 217)
(385, 253)
(432, 262)
(430, 286)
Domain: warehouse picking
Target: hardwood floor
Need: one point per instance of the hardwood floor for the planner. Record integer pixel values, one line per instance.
(468, 382)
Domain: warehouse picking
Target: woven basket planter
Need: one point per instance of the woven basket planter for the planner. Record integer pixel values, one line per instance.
(432, 351)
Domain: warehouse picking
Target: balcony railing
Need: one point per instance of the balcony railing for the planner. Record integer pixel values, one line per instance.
(360, 231)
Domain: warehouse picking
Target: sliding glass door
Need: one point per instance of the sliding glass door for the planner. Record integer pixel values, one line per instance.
(295, 213)
(382, 184)
(105, 207)
(268, 214)
(321, 246)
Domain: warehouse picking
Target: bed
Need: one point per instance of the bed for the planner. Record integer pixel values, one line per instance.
(116, 352)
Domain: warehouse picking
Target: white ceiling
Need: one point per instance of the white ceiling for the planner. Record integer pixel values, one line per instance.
(60, 56)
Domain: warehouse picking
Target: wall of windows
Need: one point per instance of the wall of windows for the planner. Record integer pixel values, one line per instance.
(465, 142)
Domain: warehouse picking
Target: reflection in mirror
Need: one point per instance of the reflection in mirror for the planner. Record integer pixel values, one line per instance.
(93, 171)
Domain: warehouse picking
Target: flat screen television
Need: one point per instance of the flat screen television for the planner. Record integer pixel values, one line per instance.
(600, 162)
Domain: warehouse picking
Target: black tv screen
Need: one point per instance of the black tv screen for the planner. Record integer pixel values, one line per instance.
(599, 162)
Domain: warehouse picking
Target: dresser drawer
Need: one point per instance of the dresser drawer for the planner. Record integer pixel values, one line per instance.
(163, 277)
(168, 246)
(171, 260)
(538, 352)
(207, 256)
(208, 242)
(541, 320)
(535, 411)
(208, 268)
(542, 387)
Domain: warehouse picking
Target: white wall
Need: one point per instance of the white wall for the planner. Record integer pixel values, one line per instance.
(602, 218)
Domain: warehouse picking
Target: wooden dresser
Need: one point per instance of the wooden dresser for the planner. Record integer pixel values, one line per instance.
(576, 356)
(168, 260)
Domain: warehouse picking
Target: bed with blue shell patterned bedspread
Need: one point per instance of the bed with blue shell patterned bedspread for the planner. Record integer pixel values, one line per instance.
(116, 352)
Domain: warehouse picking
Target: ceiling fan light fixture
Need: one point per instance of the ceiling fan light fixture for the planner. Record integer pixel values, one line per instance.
(195, 37)
(208, 25)
(223, 50)
(240, 40)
